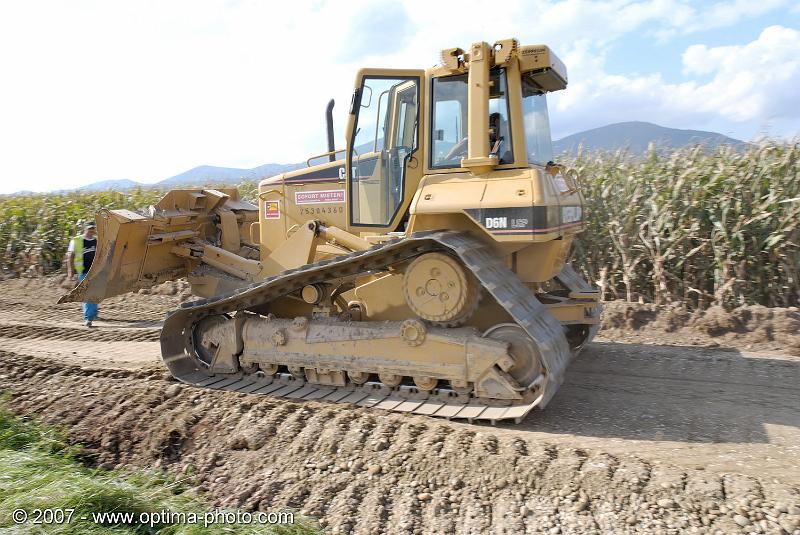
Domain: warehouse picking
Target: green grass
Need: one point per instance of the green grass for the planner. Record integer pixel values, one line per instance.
(40, 470)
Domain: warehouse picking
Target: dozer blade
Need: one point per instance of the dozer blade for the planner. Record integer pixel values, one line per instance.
(130, 255)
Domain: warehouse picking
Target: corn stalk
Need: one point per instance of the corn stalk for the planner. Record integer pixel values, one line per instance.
(706, 228)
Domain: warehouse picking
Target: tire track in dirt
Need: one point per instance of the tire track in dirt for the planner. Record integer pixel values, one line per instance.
(40, 332)
(365, 472)
(362, 471)
(35, 301)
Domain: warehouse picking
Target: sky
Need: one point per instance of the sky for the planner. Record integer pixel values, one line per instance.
(144, 90)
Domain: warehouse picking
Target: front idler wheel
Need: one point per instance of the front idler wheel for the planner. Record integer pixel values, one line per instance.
(523, 350)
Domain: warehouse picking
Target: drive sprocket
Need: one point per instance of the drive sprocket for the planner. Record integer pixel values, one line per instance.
(438, 289)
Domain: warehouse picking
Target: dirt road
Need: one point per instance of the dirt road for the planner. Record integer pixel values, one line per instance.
(640, 438)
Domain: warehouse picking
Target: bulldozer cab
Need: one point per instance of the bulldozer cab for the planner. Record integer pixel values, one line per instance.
(479, 111)
(383, 142)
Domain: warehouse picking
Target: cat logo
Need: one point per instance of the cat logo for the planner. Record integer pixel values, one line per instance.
(496, 222)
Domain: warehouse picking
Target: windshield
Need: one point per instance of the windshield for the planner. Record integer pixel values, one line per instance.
(449, 120)
(536, 123)
(449, 131)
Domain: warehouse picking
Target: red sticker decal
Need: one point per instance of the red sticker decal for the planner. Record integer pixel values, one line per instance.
(319, 197)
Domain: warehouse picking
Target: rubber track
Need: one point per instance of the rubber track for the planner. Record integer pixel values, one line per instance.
(177, 340)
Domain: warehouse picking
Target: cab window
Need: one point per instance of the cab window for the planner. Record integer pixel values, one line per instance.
(384, 137)
(449, 120)
(449, 130)
(536, 123)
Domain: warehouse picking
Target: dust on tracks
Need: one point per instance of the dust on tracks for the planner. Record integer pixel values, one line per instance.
(363, 471)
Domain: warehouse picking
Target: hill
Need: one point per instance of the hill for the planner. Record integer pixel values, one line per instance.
(105, 185)
(205, 174)
(637, 135)
(198, 176)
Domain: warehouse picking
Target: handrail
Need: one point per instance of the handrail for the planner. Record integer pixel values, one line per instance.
(378, 117)
(265, 193)
(308, 162)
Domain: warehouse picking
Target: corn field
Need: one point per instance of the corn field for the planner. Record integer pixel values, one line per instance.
(701, 228)
(35, 229)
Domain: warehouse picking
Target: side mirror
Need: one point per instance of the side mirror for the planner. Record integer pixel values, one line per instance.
(358, 99)
(438, 134)
(369, 97)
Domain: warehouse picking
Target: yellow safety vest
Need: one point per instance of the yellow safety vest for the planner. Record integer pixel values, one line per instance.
(77, 253)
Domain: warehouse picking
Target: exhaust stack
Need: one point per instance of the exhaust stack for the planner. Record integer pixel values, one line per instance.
(329, 125)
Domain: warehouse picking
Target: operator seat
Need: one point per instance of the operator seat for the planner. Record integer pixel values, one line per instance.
(498, 138)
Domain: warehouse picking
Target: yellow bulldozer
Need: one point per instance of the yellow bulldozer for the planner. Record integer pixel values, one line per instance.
(422, 269)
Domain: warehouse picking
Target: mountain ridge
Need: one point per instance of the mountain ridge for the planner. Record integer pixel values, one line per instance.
(635, 136)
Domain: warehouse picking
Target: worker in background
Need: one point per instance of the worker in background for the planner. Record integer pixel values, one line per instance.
(80, 255)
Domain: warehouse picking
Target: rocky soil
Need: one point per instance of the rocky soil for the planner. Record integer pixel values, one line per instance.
(670, 434)
(751, 327)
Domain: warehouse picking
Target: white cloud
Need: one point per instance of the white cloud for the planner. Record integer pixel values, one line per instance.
(723, 14)
(754, 83)
(717, 15)
(99, 89)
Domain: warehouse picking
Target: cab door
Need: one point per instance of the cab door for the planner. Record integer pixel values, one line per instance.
(383, 163)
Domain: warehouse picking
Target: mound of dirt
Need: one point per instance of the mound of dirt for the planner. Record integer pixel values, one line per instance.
(752, 327)
(179, 288)
(362, 471)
